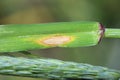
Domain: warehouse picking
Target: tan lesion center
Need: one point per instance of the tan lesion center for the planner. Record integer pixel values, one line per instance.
(55, 40)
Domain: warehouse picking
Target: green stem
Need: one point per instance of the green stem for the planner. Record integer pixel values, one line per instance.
(112, 33)
(54, 69)
(23, 37)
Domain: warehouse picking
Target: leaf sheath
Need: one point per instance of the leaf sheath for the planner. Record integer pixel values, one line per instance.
(38, 36)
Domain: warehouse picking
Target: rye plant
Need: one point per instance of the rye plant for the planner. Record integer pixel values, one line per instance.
(23, 37)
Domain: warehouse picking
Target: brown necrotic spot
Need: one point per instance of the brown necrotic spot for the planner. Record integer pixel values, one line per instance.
(54, 40)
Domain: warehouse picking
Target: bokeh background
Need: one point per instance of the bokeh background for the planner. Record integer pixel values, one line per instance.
(106, 54)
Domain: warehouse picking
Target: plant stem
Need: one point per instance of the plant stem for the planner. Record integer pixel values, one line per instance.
(54, 69)
(112, 33)
(23, 37)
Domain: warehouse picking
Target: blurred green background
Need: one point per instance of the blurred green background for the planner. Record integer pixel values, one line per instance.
(107, 53)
